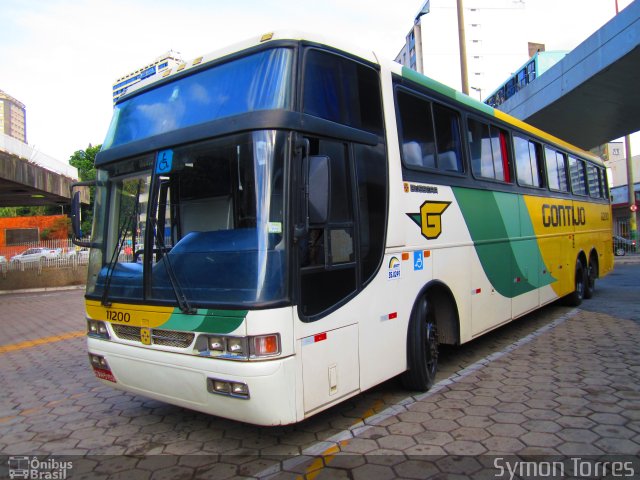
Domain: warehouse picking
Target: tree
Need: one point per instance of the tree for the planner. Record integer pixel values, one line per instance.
(84, 161)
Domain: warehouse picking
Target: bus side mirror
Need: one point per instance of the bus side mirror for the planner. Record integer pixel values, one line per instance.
(75, 213)
(318, 188)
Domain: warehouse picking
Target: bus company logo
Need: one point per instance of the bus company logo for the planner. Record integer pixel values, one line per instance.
(563, 216)
(430, 218)
(394, 269)
(413, 188)
(49, 469)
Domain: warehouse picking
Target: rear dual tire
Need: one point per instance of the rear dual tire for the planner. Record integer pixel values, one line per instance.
(580, 286)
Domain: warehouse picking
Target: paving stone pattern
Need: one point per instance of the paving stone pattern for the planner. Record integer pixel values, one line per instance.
(572, 390)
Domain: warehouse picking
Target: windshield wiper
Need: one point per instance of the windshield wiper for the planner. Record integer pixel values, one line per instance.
(183, 302)
(122, 235)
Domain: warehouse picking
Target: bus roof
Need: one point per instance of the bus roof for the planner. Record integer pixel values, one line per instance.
(371, 57)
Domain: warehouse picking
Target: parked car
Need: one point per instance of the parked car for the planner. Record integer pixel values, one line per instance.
(81, 254)
(34, 255)
(621, 245)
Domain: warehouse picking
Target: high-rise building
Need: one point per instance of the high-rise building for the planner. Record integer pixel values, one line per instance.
(167, 61)
(13, 117)
(434, 43)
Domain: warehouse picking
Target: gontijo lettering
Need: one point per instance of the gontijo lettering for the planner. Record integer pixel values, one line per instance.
(563, 215)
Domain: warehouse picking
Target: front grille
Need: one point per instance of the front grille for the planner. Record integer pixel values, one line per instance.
(167, 338)
(126, 332)
(171, 338)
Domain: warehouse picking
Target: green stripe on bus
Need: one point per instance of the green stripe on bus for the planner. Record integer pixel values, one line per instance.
(206, 321)
(503, 237)
(446, 90)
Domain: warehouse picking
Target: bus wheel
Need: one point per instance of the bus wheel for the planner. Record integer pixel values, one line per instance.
(575, 298)
(592, 274)
(422, 348)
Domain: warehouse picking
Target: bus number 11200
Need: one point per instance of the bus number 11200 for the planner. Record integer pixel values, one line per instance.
(114, 316)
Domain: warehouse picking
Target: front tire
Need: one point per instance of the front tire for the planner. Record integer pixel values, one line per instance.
(422, 348)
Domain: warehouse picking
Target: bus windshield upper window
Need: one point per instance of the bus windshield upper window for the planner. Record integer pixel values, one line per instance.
(261, 81)
(342, 90)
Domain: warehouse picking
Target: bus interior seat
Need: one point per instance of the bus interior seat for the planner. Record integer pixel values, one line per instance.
(448, 161)
(412, 154)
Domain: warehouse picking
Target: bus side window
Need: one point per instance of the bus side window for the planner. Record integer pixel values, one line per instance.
(416, 131)
(556, 169)
(593, 180)
(447, 125)
(578, 176)
(528, 162)
(489, 152)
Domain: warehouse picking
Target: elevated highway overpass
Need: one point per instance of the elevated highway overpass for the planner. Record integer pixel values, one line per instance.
(592, 95)
(30, 178)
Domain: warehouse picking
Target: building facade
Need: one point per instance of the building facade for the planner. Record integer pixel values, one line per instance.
(13, 117)
(161, 64)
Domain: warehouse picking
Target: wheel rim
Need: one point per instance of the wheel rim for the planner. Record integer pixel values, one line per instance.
(431, 341)
(432, 348)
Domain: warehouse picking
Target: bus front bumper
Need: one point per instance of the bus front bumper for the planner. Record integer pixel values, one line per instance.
(187, 381)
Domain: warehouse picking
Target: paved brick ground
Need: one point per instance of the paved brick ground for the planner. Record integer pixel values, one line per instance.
(570, 388)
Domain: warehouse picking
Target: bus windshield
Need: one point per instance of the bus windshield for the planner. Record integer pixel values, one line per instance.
(200, 224)
(261, 81)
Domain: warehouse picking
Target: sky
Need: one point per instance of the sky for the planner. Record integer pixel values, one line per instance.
(61, 57)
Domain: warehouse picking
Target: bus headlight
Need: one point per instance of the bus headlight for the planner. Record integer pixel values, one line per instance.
(97, 329)
(239, 348)
(216, 344)
(228, 387)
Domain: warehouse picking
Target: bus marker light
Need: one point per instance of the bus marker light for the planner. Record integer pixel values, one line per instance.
(476, 291)
(320, 337)
(427, 253)
(405, 256)
(266, 36)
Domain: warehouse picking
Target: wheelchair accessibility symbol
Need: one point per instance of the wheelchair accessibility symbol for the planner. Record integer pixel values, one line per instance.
(418, 260)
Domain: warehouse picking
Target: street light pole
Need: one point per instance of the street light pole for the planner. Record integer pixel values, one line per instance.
(463, 49)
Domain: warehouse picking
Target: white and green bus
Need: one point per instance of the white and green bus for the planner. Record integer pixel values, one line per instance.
(285, 223)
